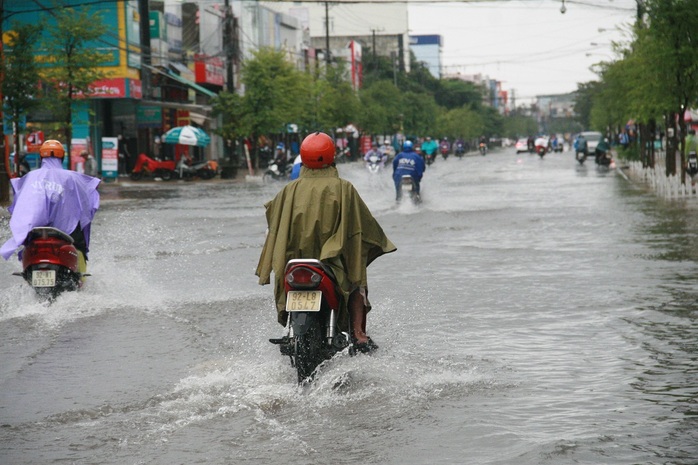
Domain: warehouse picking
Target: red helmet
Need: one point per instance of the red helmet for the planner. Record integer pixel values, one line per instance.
(52, 148)
(317, 151)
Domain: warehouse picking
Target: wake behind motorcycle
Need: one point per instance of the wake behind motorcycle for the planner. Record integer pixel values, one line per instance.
(312, 304)
(50, 262)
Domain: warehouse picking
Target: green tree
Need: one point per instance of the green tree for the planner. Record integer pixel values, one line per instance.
(454, 93)
(73, 60)
(517, 126)
(20, 75)
(419, 114)
(381, 106)
(461, 122)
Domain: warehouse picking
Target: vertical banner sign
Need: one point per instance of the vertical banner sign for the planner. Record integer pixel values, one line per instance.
(76, 161)
(110, 157)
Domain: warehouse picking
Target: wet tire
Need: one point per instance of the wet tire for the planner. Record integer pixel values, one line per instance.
(136, 176)
(309, 352)
(166, 175)
(206, 174)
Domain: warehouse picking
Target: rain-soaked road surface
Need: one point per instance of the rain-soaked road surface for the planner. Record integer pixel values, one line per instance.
(535, 312)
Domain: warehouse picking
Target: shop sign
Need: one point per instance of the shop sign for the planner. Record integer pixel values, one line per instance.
(209, 70)
(148, 116)
(110, 157)
(116, 88)
(76, 161)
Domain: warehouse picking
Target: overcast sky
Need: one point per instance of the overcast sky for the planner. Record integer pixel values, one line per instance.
(527, 44)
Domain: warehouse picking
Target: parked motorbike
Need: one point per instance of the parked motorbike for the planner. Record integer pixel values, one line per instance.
(50, 262)
(408, 188)
(482, 148)
(147, 166)
(374, 164)
(203, 169)
(312, 304)
(692, 164)
(273, 173)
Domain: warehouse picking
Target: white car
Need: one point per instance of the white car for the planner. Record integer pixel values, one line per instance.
(593, 138)
(522, 145)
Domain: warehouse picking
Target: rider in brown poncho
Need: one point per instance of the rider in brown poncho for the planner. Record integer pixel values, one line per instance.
(322, 216)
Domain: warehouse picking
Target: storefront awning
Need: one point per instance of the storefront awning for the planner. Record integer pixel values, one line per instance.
(193, 85)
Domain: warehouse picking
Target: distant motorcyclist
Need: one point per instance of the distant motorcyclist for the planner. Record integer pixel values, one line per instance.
(280, 157)
(429, 147)
(409, 163)
(51, 196)
(531, 144)
(580, 145)
(445, 147)
(459, 146)
(375, 151)
(601, 149)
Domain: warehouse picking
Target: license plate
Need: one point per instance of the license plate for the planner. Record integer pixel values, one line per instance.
(303, 301)
(43, 278)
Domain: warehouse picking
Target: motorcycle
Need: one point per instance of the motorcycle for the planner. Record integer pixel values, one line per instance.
(146, 166)
(273, 173)
(50, 262)
(541, 150)
(445, 151)
(203, 169)
(408, 187)
(604, 158)
(429, 158)
(312, 304)
(460, 150)
(581, 157)
(483, 149)
(374, 164)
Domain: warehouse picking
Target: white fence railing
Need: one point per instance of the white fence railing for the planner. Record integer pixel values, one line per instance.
(669, 187)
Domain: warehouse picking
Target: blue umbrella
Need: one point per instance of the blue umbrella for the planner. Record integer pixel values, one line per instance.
(186, 135)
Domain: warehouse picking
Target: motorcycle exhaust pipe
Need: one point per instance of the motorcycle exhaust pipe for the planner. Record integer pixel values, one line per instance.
(329, 332)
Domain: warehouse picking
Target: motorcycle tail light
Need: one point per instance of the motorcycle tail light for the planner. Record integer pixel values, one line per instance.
(304, 278)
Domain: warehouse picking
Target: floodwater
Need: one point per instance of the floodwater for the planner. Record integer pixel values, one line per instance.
(536, 312)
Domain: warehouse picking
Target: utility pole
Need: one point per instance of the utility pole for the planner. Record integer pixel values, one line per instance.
(230, 45)
(146, 52)
(327, 34)
(4, 160)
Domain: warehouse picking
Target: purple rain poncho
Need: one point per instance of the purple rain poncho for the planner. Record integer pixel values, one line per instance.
(51, 196)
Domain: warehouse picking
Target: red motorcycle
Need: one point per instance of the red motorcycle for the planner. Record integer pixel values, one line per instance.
(147, 166)
(50, 262)
(312, 304)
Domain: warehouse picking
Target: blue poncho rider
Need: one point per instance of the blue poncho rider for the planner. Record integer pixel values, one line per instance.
(409, 163)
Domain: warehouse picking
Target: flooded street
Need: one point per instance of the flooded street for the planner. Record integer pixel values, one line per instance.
(535, 312)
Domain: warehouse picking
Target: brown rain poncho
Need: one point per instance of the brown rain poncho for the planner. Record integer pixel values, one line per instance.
(321, 216)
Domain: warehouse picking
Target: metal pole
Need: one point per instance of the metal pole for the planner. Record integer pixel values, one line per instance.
(4, 160)
(229, 47)
(327, 34)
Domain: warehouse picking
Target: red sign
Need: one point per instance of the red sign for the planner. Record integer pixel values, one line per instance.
(34, 141)
(116, 88)
(209, 70)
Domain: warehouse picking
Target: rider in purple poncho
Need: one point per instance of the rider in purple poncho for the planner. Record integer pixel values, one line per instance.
(52, 196)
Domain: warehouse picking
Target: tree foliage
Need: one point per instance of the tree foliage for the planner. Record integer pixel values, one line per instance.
(20, 84)
(74, 61)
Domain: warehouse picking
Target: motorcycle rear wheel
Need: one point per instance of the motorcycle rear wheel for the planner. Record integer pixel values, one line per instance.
(136, 175)
(309, 352)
